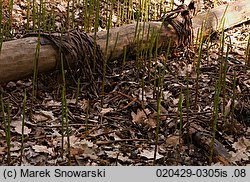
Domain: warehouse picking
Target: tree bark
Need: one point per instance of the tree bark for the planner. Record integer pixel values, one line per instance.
(17, 56)
(235, 13)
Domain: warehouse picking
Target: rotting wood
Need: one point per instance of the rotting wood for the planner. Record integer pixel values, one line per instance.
(235, 13)
(17, 56)
(203, 139)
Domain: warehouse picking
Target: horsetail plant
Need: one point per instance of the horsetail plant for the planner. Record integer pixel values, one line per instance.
(139, 47)
(77, 93)
(234, 98)
(158, 97)
(7, 133)
(73, 13)
(28, 15)
(6, 127)
(43, 11)
(187, 98)
(198, 66)
(68, 16)
(111, 12)
(218, 87)
(124, 58)
(105, 56)
(97, 14)
(87, 116)
(130, 12)
(222, 21)
(35, 66)
(225, 66)
(34, 15)
(119, 11)
(23, 123)
(1, 27)
(66, 118)
(62, 122)
(215, 119)
(215, 3)
(180, 125)
(64, 106)
(248, 52)
(150, 51)
(10, 9)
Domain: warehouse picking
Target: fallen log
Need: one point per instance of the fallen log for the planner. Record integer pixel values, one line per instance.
(203, 139)
(234, 14)
(17, 56)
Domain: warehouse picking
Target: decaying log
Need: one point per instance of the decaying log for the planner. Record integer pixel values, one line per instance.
(234, 14)
(17, 56)
(203, 139)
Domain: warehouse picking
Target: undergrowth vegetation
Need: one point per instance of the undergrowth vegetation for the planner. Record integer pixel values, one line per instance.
(198, 83)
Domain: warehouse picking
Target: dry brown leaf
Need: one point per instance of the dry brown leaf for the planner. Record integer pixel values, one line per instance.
(172, 141)
(106, 110)
(48, 114)
(238, 156)
(242, 144)
(242, 147)
(150, 154)
(76, 151)
(15, 146)
(39, 118)
(228, 107)
(151, 121)
(2, 150)
(42, 149)
(53, 103)
(61, 8)
(117, 155)
(139, 117)
(18, 127)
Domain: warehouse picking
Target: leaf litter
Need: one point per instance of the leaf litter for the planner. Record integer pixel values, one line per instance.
(122, 130)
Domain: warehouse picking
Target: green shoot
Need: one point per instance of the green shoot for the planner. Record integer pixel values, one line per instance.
(23, 123)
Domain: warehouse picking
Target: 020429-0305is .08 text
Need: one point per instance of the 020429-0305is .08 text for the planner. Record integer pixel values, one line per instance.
(215, 172)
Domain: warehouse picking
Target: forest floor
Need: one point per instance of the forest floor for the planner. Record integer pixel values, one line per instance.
(119, 128)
